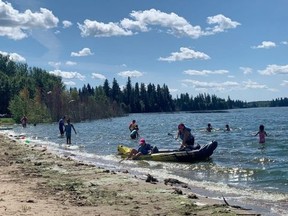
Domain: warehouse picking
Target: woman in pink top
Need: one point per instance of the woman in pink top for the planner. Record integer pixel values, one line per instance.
(262, 134)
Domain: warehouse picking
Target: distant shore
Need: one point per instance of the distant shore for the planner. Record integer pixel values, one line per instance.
(36, 182)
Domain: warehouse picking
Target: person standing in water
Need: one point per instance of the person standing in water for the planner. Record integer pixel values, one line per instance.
(68, 130)
(24, 121)
(61, 126)
(134, 133)
(262, 134)
(132, 125)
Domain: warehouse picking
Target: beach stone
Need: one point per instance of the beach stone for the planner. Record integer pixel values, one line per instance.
(150, 178)
(178, 191)
(192, 196)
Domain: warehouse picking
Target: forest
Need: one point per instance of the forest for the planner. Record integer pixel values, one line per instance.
(43, 97)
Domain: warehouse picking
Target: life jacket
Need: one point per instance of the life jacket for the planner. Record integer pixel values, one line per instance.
(190, 139)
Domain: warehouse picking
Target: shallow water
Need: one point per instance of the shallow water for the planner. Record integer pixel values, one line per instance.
(243, 170)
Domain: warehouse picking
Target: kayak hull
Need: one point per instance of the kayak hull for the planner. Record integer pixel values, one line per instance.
(201, 154)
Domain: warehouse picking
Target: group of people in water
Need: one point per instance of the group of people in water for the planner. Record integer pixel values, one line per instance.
(64, 129)
(210, 128)
(261, 132)
(184, 133)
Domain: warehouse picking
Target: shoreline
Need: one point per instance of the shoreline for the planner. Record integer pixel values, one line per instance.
(34, 180)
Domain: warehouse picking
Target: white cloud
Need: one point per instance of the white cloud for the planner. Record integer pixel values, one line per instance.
(99, 29)
(14, 56)
(205, 72)
(68, 75)
(225, 86)
(71, 63)
(67, 24)
(143, 21)
(171, 90)
(15, 24)
(253, 85)
(185, 54)
(274, 69)
(246, 70)
(83, 52)
(175, 24)
(265, 45)
(55, 64)
(198, 85)
(221, 24)
(58, 64)
(133, 73)
(284, 83)
(69, 83)
(98, 76)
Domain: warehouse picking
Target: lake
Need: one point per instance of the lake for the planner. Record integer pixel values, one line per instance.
(244, 171)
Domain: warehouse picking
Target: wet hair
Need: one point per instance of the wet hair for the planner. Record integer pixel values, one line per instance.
(181, 126)
(261, 127)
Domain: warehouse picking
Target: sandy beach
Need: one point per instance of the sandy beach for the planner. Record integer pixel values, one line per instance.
(37, 182)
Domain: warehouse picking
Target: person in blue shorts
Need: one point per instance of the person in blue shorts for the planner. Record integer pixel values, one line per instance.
(68, 130)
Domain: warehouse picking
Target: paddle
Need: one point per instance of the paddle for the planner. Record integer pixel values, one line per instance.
(169, 134)
(121, 160)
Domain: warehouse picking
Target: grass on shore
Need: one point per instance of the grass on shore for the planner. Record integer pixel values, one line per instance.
(6, 121)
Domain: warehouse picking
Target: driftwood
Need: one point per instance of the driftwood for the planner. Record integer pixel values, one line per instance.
(234, 206)
(171, 181)
(151, 179)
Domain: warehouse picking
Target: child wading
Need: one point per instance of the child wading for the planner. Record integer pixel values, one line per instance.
(68, 129)
(262, 134)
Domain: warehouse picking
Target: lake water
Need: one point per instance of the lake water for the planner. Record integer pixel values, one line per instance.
(245, 172)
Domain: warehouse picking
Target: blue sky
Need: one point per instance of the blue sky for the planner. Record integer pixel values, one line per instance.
(222, 47)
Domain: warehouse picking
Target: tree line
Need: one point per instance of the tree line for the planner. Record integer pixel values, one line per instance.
(43, 97)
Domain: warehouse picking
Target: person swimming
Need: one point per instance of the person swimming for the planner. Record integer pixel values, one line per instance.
(227, 127)
(209, 128)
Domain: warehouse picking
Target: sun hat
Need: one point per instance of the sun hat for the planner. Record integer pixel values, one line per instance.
(142, 141)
